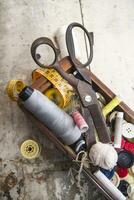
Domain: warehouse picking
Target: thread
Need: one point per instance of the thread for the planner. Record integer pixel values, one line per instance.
(118, 130)
(57, 120)
(80, 121)
(109, 185)
(111, 105)
(30, 149)
(103, 155)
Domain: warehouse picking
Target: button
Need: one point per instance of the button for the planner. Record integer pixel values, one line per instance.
(109, 174)
(129, 146)
(130, 190)
(125, 159)
(122, 172)
(128, 130)
(115, 179)
(123, 187)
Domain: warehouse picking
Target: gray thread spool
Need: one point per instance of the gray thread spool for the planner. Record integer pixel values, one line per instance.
(118, 130)
(57, 120)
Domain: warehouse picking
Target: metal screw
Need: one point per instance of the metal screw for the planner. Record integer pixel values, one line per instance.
(88, 98)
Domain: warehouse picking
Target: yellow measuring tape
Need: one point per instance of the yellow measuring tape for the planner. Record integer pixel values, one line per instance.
(14, 87)
(62, 91)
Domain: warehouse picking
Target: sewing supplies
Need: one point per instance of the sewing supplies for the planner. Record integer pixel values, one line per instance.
(115, 179)
(59, 122)
(111, 105)
(125, 159)
(14, 87)
(103, 155)
(40, 106)
(118, 130)
(123, 187)
(80, 121)
(109, 185)
(91, 108)
(62, 91)
(30, 149)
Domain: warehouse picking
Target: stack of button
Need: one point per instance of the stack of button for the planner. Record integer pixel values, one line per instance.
(123, 177)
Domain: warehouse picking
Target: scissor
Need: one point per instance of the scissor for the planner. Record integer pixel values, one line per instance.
(91, 108)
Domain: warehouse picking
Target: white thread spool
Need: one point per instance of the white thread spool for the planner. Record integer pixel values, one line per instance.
(57, 120)
(109, 185)
(61, 40)
(118, 130)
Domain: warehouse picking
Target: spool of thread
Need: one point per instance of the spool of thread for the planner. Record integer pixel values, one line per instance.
(60, 39)
(57, 120)
(109, 185)
(103, 155)
(30, 149)
(14, 87)
(108, 173)
(80, 121)
(118, 130)
(111, 105)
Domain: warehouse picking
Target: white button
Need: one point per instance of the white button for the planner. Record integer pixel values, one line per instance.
(128, 130)
(115, 179)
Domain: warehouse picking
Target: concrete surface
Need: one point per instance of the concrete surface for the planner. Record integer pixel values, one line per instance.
(20, 23)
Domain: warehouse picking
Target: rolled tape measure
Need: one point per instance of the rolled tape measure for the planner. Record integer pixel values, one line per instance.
(14, 87)
(111, 105)
(64, 89)
(30, 149)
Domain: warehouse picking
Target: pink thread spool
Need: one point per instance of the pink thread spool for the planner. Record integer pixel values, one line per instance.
(80, 121)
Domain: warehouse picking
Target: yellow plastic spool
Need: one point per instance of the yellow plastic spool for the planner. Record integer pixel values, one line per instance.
(14, 87)
(63, 90)
(111, 105)
(54, 95)
(30, 149)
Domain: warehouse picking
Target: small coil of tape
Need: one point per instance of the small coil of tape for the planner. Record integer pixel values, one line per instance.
(14, 87)
(30, 149)
(111, 105)
(58, 82)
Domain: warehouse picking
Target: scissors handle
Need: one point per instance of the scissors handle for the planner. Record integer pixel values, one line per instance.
(45, 41)
(71, 47)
